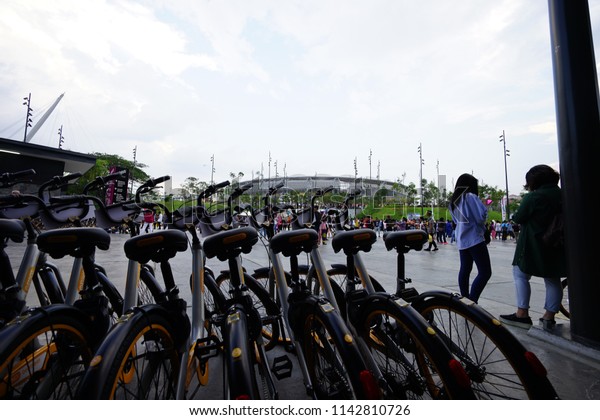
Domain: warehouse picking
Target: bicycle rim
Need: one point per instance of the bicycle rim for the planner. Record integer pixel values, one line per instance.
(267, 308)
(489, 359)
(47, 364)
(324, 362)
(408, 366)
(147, 365)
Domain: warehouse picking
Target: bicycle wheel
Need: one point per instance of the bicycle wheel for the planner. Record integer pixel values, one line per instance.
(413, 360)
(564, 305)
(335, 365)
(138, 360)
(44, 354)
(497, 363)
(269, 311)
(238, 358)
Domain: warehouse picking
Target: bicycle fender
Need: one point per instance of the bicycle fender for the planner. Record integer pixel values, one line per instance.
(12, 329)
(92, 385)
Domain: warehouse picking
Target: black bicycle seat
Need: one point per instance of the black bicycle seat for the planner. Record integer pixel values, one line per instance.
(12, 229)
(293, 242)
(405, 240)
(228, 243)
(73, 241)
(352, 241)
(156, 246)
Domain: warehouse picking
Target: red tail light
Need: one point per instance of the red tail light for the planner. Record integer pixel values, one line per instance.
(369, 384)
(243, 397)
(462, 379)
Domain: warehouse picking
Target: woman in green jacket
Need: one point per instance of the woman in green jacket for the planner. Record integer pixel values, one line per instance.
(532, 256)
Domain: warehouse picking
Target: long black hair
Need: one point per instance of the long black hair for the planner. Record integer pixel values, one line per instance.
(466, 183)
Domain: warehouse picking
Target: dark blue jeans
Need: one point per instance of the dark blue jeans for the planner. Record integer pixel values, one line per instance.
(479, 255)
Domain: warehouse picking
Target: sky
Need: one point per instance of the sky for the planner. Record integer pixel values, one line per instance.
(289, 87)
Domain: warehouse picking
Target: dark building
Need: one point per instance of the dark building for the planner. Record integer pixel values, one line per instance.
(47, 161)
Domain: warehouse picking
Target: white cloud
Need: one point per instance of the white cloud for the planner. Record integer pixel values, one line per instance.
(315, 82)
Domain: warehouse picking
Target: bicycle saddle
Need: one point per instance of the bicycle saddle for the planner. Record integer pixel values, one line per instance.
(156, 246)
(12, 229)
(293, 242)
(73, 241)
(352, 241)
(405, 240)
(230, 243)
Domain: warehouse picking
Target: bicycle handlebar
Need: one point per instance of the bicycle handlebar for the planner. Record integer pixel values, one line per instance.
(210, 190)
(149, 185)
(273, 190)
(103, 180)
(57, 182)
(9, 179)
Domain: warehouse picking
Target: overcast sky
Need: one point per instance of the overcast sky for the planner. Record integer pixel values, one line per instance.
(315, 84)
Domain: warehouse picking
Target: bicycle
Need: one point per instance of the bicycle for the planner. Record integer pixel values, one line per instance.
(34, 267)
(413, 359)
(498, 365)
(45, 350)
(155, 351)
(211, 223)
(329, 356)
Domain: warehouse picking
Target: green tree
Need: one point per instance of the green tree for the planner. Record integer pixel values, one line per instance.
(102, 167)
(192, 186)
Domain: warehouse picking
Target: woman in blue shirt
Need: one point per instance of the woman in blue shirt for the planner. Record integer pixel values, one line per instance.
(469, 215)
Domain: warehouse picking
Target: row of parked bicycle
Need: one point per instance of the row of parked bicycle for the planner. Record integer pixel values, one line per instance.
(351, 338)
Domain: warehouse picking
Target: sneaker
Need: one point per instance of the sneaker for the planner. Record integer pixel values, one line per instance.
(427, 249)
(514, 320)
(435, 249)
(547, 324)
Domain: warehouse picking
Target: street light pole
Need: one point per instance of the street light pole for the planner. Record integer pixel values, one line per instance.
(370, 177)
(133, 168)
(269, 169)
(212, 169)
(355, 173)
(28, 121)
(506, 153)
(421, 163)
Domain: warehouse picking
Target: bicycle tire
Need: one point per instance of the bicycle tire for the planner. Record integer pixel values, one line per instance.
(335, 365)
(414, 360)
(237, 357)
(138, 359)
(497, 363)
(564, 304)
(44, 354)
(264, 277)
(149, 289)
(268, 309)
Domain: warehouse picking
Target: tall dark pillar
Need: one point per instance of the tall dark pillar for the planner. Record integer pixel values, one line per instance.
(578, 125)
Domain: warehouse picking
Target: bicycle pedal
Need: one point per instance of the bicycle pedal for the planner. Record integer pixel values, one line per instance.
(282, 367)
(206, 348)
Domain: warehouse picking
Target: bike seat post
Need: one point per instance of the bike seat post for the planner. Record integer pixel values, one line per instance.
(321, 271)
(400, 272)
